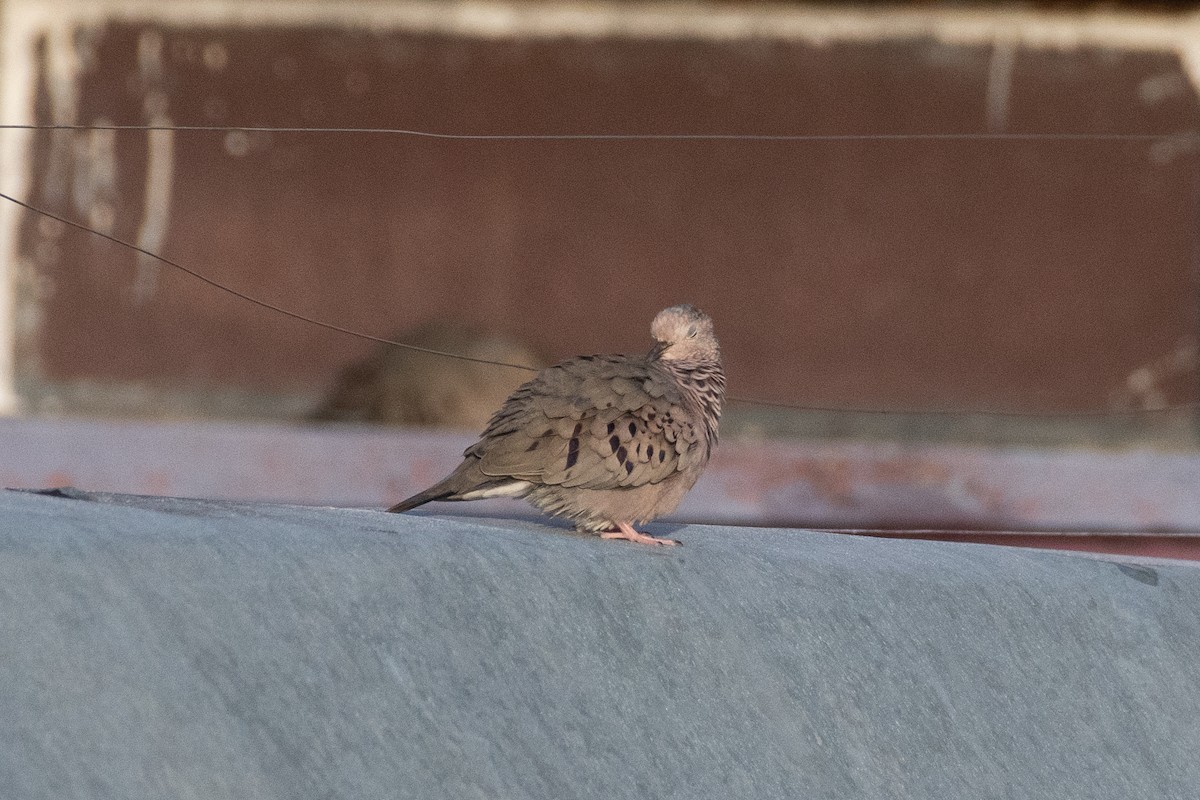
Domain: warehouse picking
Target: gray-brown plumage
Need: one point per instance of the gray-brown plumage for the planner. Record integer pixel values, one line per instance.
(605, 441)
(395, 386)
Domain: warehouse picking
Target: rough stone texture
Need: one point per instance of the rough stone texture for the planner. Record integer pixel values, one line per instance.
(170, 648)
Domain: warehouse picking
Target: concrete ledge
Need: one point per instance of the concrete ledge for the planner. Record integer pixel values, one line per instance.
(787, 483)
(170, 648)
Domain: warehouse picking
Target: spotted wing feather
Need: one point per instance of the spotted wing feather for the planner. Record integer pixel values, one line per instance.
(594, 422)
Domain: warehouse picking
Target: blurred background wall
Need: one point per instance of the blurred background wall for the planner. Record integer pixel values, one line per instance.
(1029, 275)
(1050, 276)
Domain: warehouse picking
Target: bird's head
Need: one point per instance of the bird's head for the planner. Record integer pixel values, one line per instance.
(684, 333)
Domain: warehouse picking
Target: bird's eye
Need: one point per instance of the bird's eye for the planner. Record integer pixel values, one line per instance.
(692, 332)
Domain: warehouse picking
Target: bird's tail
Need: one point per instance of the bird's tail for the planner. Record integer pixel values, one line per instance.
(438, 491)
(452, 487)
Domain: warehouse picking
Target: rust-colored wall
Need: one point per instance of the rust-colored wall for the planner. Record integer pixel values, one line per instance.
(1017, 274)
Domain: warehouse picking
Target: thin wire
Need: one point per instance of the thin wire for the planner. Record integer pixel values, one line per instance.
(255, 300)
(949, 412)
(627, 137)
(733, 398)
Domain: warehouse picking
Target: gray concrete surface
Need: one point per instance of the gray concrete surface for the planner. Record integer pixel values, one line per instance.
(193, 649)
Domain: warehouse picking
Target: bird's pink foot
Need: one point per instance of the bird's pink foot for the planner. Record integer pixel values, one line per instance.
(625, 531)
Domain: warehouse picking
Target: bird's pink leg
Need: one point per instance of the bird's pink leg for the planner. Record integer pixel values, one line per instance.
(626, 531)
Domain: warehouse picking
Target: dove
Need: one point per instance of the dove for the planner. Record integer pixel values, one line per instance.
(606, 441)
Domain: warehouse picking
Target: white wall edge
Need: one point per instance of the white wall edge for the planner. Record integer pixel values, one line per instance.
(647, 20)
(16, 107)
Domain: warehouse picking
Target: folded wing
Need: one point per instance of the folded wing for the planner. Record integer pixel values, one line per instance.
(593, 422)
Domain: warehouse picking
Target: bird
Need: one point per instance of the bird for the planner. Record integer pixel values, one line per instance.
(396, 386)
(608, 442)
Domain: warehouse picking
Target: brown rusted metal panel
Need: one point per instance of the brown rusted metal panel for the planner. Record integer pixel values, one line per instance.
(1019, 275)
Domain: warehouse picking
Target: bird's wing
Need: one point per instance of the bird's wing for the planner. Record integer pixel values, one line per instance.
(593, 422)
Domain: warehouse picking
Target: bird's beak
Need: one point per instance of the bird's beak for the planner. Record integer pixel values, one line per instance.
(657, 350)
